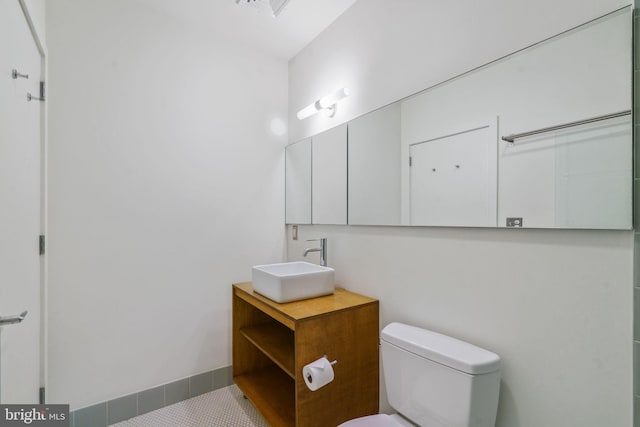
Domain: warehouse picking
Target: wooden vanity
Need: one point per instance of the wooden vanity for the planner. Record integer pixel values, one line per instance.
(272, 342)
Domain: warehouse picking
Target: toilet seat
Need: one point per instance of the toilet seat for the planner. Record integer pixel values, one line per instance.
(380, 420)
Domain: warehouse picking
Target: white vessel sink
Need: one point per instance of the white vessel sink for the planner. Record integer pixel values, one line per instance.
(292, 281)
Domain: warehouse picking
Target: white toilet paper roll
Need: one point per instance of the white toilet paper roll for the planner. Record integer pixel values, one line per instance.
(318, 373)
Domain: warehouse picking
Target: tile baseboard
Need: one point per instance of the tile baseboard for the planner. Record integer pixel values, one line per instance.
(123, 408)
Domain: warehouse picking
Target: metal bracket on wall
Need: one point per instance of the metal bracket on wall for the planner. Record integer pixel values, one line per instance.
(15, 74)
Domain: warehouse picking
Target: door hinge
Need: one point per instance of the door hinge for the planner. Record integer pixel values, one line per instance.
(410, 161)
(42, 400)
(37, 98)
(41, 244)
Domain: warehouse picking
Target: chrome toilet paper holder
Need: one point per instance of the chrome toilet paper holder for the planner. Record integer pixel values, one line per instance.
(332, 363)
(310, 378)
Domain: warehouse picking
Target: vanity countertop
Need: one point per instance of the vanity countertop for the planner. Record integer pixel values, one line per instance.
(291, 312)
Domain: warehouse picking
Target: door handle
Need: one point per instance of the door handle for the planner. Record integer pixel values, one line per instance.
(10, 320)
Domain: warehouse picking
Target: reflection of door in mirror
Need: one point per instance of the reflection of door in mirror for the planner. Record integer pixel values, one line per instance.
(453, 179)
(298, 182)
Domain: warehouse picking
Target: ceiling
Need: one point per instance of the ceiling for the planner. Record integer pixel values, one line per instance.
(299, 23)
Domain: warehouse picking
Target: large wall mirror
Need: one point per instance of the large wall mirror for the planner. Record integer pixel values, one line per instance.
(541, 138)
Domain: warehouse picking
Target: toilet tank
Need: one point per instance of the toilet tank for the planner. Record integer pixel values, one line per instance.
(438, 381)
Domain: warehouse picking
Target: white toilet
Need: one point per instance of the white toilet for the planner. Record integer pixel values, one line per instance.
(435, 381)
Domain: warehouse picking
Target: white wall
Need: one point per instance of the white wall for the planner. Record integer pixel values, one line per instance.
(166, 186)
(556, 305)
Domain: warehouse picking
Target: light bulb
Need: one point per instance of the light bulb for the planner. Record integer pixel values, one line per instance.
(332, 99)
(326, 103)
(307, 111)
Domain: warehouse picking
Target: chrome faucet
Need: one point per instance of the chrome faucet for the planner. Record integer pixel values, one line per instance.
(322, 249)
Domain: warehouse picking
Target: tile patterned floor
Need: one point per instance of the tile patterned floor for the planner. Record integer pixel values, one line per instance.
(225, 407)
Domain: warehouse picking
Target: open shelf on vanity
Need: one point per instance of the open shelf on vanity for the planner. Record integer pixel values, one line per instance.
(272, 392)
(276, 342)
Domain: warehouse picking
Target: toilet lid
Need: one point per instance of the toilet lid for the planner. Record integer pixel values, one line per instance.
(380, 420)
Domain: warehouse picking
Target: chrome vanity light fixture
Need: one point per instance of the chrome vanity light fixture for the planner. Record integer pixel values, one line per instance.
(326, 103)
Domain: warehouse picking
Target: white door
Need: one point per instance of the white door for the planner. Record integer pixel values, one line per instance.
(20, 166)
(454, 179)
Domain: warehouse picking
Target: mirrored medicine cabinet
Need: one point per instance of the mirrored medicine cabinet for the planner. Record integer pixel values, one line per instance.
(539, 139)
